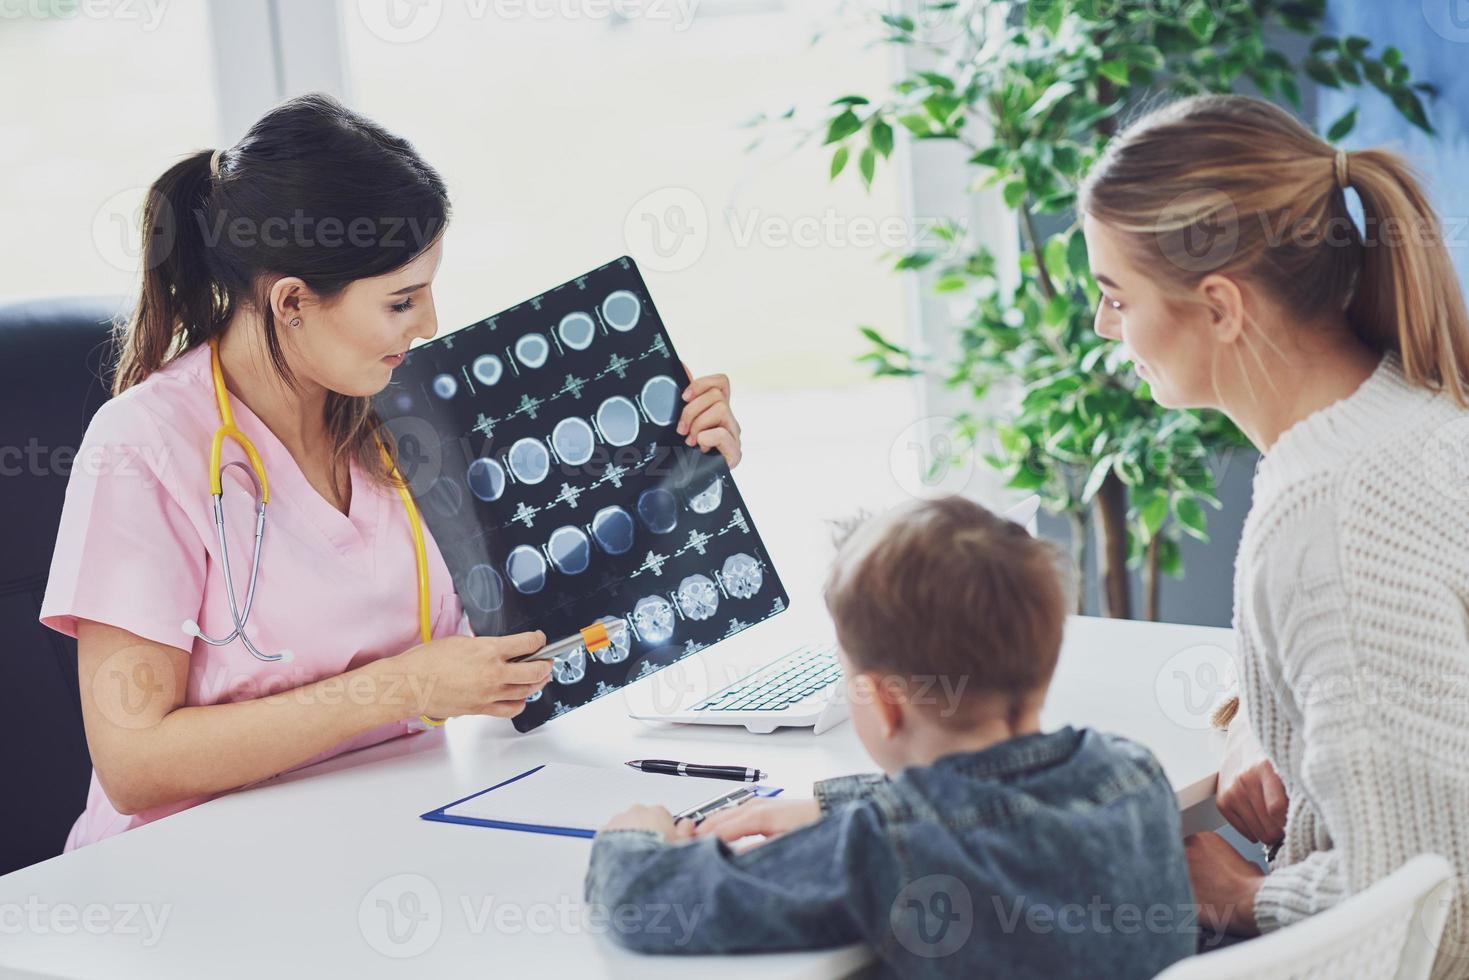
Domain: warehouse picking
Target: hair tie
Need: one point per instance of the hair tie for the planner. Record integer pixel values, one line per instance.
(214, 164)
(1343, 175)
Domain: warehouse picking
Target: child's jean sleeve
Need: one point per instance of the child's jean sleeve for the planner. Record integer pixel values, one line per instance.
(833, 793)
(798, 891)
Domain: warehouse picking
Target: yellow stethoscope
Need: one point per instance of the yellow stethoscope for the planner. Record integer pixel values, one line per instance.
(256, 472)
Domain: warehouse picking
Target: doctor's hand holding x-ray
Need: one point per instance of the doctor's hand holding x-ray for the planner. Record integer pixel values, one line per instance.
(284, 279)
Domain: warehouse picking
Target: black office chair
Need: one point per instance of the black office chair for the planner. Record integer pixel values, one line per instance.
(55, 371)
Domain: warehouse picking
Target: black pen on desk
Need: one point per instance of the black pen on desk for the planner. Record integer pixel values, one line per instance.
(667, 767)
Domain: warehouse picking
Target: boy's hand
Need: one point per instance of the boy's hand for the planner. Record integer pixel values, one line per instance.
(654, 818)
(765, 817)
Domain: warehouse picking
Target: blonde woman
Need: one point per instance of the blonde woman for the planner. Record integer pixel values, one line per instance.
(1229, 265)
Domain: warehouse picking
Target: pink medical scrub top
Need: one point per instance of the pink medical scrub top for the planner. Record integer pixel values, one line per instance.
(137, 549)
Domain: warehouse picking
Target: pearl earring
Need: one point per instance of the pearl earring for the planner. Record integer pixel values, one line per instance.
(296, 321)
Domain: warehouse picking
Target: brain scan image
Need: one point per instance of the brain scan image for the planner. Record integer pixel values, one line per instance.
(573, 440)
(529, 460)
(577, 331)
(660, 399)
(622, 310)
(570, 667)
(444, 497)
(708, 499)
(618, 651)
(539, 444)
(612, 528)
(487, 369)
(526, 569)
(484, 589)
(697, 597)
(742, 576)
(532, 350)
(486, 479)
(570, 550)
(659, 510)
(618, 419)
(653, 618)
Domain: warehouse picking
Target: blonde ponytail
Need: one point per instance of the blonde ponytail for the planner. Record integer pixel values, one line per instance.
(1408, 297)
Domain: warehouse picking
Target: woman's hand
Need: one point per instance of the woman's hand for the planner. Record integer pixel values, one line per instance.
(474, 675)
(1250, 794)
(760, 817)
(1224, 884)
(707, 420)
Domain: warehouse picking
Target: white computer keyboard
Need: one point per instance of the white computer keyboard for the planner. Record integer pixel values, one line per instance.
(800, 690)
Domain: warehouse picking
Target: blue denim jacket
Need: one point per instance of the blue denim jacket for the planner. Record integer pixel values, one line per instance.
(1047, 855)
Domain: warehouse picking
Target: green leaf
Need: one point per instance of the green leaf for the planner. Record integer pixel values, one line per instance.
(880, 341)
(1114, 71)
(1342, 126)
(850, 100)
(1095, 478)
(917, 123)
(1076, 256)
(1153, 512)
(1191, 515)
(1025, 478)
(990, 156)
(867, 164)
(1014, 193)
(1200, 21)
(1289, 89)
(914, 260)
(1057, 310)
(882, 137)
(1412, 109)
(1321, 73)
(838, 161)
(844, 125)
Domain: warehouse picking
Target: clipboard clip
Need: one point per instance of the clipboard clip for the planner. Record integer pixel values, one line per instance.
(698, 813)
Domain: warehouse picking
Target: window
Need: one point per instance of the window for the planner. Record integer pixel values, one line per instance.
(104, 96)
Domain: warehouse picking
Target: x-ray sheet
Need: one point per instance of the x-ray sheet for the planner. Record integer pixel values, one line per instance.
(540, 444)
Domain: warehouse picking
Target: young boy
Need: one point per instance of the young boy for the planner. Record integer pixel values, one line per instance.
(990, 848)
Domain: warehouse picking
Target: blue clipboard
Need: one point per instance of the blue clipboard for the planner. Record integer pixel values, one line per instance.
(442, 814)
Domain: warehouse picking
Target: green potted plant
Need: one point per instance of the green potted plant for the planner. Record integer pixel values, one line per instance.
(1032, 89)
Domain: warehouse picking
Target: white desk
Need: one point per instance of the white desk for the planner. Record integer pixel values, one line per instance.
(284, 879)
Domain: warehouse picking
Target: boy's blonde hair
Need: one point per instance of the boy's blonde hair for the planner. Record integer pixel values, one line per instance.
(947, 591)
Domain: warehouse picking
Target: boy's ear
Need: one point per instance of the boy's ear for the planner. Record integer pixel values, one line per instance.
(889, 696)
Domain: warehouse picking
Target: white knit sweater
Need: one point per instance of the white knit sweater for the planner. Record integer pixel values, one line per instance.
(1352, 613)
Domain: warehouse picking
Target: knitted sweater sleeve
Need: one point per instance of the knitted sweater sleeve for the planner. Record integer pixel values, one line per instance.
(1344, 620)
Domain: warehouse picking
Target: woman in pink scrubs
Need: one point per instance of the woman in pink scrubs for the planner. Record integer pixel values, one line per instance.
(308, 251)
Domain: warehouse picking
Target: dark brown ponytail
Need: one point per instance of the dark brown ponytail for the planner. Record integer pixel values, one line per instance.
(314, 190)
(178, 304)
